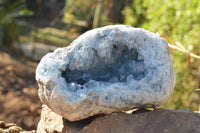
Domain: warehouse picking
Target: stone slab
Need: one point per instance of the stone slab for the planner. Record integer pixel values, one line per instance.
(141, 121)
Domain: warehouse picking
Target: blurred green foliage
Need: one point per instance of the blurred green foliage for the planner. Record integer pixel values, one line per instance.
(79, 13)
(175, 20)
(50, 36)
(10, 21)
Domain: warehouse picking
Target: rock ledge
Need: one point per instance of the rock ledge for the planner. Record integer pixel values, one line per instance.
(142, 121)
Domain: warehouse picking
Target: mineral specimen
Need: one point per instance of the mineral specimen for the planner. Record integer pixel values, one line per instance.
(108, 69)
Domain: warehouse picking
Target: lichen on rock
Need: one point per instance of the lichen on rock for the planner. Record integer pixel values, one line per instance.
(108, 69)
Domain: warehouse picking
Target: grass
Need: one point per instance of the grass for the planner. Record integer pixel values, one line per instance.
(49, 35)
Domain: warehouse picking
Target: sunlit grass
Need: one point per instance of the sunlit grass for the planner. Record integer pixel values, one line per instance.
(49, 35)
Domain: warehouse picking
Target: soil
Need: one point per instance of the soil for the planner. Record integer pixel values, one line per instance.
(19, 101)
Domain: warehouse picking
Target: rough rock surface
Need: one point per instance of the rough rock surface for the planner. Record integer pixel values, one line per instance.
(12, 128)
(50, 122)
(142, 121)
(105, 70)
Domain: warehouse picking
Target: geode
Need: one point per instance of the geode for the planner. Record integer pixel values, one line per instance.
(105, 70)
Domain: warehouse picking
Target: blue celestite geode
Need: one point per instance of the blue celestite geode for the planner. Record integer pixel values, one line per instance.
(108, 69)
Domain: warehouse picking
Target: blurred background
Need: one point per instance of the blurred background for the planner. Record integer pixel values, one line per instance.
(31, 28)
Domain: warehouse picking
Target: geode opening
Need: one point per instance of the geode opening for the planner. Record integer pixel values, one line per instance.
(123, 64)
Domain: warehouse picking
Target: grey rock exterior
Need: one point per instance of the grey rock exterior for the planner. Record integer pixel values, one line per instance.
(105, 70)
